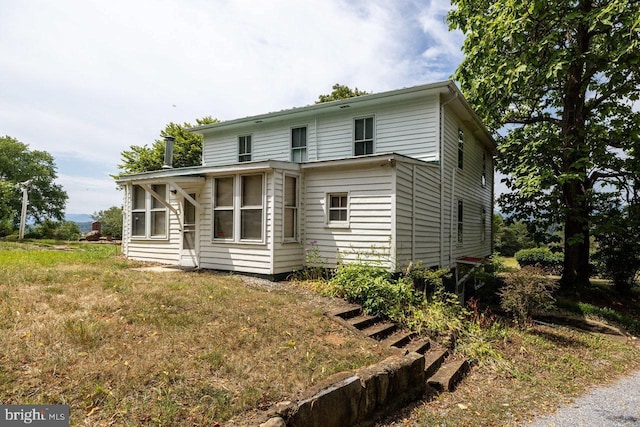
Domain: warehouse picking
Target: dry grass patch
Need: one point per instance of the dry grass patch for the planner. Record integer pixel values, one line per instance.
(136, 348)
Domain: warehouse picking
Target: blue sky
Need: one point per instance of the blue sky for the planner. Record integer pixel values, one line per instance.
(85, 80)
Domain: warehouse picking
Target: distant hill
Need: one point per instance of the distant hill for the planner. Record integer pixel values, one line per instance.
(78, 218)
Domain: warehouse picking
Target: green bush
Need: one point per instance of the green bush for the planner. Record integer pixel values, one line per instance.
(542, 258)
(527, 291)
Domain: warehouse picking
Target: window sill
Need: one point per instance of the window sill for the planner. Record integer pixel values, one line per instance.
(149, 239)
(338, 225)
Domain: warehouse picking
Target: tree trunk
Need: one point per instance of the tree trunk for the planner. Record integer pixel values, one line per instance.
(576, 239)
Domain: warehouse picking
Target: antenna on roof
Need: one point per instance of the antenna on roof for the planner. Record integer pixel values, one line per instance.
(168, 152)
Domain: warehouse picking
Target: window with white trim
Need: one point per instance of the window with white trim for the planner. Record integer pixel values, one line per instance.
(460, 221)
(238, 208)
(460, 149)
(338, 208)
(483, 179)
(148, 214)
(299, 144)
(363, 136)
(244, 148)
(291, 204)
(483, 218)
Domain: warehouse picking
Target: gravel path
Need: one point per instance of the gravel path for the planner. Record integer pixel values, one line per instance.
(614, 405)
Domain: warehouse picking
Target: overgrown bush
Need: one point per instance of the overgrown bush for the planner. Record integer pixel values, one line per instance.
(541, 258)
(527, 291)
(440, 313)
(375, 289)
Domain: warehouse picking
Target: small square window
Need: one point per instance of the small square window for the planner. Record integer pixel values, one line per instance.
(338, 210)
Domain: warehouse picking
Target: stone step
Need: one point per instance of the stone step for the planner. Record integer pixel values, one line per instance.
(418, 345)
(449, 374)
(398, 339)
(433, 360)
(362, 321)
(380, 330)
(346, 312)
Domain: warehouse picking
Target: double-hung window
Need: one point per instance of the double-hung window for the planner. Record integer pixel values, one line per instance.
(238, 208)
(244, 148)
(290, 223)
(148, 214)
(363, 136)
(299, 144)
(460, 149)
(483, 179)
(460, 221)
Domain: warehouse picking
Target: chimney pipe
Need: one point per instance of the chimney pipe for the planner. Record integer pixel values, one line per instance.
(168, 152)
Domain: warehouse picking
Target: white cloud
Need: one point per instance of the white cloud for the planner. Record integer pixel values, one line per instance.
(86, 80)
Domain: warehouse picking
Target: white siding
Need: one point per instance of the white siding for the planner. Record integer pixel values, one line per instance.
(287, 256)
(370, 233)
(468, 188)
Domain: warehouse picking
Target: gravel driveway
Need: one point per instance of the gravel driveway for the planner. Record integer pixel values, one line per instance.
(615, 405)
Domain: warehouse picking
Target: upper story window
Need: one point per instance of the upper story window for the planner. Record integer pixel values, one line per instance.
(299, 144)
(483, 179)
(363, 136)
(148, 214)
(244, 148)
(460, 149)
(290, 222)
(238, 206)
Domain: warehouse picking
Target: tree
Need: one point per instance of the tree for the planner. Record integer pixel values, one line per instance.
(57, 230)
(340, 92)
(187, 149)
(19, 164)
(111, 221)
(510, 238)
(559, 79)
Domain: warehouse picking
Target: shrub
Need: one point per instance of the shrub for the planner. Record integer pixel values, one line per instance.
(542, 258)
(526, 292)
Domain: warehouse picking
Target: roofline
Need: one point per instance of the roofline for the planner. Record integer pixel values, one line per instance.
(331, 105)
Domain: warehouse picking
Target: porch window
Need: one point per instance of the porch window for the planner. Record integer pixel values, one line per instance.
(148, 214)
(460, 221)
(363, 136)
(290, 208)
(223, 208)
(244, 148)
(238, 206)
(460, 149)
(299, 144)
(338, 206)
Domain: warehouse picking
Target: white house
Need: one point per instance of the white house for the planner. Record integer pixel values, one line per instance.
(398, 176)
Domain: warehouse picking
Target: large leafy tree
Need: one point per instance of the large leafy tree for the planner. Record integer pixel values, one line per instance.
(558, 79)
(19, 164)
(187, 149)
(340, 92)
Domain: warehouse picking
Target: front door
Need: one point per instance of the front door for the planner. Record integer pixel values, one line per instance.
(189, 253)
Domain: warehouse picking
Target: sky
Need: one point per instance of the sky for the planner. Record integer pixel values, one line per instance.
(85, 80)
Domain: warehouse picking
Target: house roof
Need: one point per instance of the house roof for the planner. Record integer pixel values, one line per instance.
(449, 92)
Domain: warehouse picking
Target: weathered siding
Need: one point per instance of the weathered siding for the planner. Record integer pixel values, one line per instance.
(466, 185)
(370, 233)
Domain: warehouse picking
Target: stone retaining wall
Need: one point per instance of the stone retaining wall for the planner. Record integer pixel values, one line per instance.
(358, 399)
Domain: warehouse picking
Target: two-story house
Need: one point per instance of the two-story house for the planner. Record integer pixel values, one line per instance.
(394, 177)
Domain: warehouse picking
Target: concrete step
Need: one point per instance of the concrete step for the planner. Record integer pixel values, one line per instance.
(433, 360)
(346, 312)
(380, 330)
(449, 374)
(418, 345)
(362, 321)
(398, 339)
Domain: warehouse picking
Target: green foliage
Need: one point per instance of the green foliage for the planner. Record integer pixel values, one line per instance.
(111, 221)
(56, 230)
(526, 291)
(340, 92)
(540, 257)
(562, 75)
(187, 149)
(510, 238)
(618, 251)
(375, 290)
(439, 314)
(632, 325)
(19, 164)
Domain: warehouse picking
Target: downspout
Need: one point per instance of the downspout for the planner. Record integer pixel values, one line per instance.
(441, 161)
(453, 188)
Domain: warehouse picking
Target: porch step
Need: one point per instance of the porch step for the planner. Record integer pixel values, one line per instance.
(363, 321)
(433, 360)
(379, 330)
(449, 375)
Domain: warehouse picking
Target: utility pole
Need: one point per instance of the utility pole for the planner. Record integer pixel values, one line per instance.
(25, 202)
